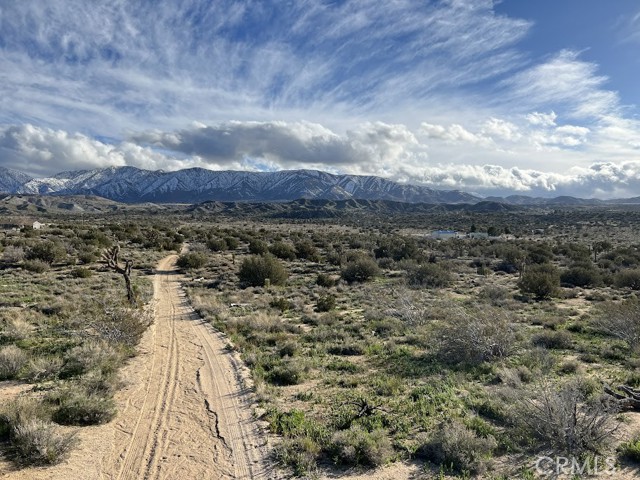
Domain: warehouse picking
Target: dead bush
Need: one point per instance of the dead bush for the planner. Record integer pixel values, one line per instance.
(620, 320)
(567, 420)
(475, 335)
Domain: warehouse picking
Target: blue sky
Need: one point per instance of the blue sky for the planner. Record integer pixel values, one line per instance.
(530, 97)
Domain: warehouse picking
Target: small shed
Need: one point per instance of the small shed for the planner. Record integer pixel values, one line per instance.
(37, 225)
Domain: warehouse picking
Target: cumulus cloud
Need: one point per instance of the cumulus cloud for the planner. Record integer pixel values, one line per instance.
(44, 151)
(288, 144)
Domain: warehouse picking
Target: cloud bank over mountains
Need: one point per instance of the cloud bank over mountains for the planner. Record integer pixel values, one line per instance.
(433, 93)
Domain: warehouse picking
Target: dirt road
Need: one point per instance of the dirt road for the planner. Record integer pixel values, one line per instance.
(184, 412)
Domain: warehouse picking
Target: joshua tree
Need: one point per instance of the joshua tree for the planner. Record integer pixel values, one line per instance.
(111, 257)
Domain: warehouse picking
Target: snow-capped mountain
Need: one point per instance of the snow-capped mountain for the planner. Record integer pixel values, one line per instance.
(12, 180)
(133, 185)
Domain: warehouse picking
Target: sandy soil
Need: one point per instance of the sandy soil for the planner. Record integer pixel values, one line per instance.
(184, 413)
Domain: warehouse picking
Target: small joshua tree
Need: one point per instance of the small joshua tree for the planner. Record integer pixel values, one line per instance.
(111, 257)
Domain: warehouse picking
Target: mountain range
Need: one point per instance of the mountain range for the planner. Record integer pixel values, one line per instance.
(197, 185)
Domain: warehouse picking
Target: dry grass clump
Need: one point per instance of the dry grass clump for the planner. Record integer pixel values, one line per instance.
(12, 359)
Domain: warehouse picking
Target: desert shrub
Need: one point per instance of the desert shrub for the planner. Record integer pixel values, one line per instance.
(283, 251)
(298, 453)
(75, 406)
(495, 295)
(582, 276)
(43, 368)
(325, 280)
(627, 279)
(357, 446)
(217, 244)
(286, 373)
(477, 335)
(630, 450)
(16, 328)
(258, 247)
(36, 266)
(256, 269)
(620, 320)
(566, 419)
(326, 303)
(554, 340)
(192, 260)
(13, 254)
(33, 440)
(281, 303)
(456, 447)
(232, 242)
(360, 270)
(86, 257)
(80, 272)
(541, 281)
(429, 275)
(306, 249)
(12, 359)
(38, 442)
(47, 251)
(120, 324)
(90, 355)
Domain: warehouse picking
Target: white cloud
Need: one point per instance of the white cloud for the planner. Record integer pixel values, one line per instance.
(542, 119)
(564, 81)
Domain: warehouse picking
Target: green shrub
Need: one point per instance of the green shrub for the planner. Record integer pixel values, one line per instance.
(555, 340)
(627, 279)
(298, 453)
(258, 247)
(192, 260)
(541, 281)
(80, 272)
(306, 249)
(360, 270)
(630, 450)
(582, 276)
(430, 275)
(455, 447)
(357, 446)
(287, 373)
(283, 250)
(326, 303)
(76, 406)
(232, 243)
(217, 244)
(256, 269)
(47, 251)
